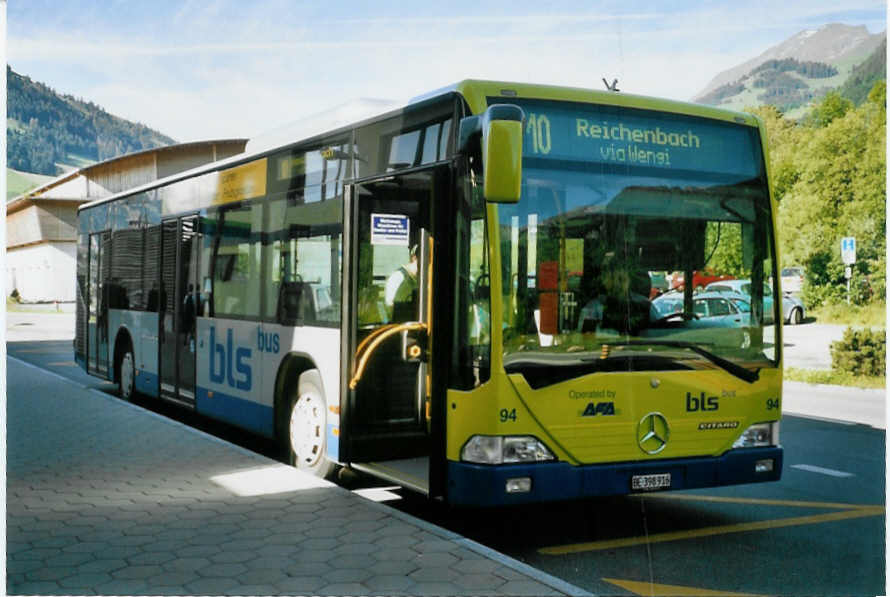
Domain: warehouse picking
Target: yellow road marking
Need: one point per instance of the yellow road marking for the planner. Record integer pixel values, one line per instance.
(62, 364)
(857, 512)
(754, 501)
(651, 589)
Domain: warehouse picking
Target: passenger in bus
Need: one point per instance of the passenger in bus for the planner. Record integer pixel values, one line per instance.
(400, 293)
(189, 316)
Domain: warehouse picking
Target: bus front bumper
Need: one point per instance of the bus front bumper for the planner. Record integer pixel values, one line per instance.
(486, 485)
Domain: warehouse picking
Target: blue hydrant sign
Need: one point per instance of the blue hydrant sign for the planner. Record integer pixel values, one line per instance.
(390, 229)
(848, 250)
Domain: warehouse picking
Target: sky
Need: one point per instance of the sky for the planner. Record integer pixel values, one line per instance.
(211, 69)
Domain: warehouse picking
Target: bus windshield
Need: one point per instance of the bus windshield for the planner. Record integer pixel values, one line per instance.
(608, 257)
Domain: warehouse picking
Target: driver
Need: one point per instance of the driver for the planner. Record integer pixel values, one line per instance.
(623, 303)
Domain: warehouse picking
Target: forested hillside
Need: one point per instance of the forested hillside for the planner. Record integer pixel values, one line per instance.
(829, 177)
(46, 130)
(802, 69)
(865, 75)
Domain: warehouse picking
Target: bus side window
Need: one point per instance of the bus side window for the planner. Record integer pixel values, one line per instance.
(237, 263)
(302, 274)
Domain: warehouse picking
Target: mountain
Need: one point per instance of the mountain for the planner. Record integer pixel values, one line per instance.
(48, 132)
(796, 71)
(865, 75)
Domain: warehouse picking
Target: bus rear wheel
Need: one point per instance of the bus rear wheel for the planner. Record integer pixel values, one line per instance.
(307, 427)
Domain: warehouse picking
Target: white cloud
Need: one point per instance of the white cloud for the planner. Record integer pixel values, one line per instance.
(219, 69)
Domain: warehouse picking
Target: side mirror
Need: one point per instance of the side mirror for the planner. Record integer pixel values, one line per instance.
(501, 130)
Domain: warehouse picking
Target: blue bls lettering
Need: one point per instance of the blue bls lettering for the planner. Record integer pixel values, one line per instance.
(222, 370)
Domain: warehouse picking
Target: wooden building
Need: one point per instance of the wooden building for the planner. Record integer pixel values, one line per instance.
(41, 225)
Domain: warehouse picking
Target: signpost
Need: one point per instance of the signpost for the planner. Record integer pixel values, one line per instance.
(848, 256)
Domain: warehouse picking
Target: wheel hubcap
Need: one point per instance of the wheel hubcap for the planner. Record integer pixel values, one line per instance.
(306, 430)
(127, 375)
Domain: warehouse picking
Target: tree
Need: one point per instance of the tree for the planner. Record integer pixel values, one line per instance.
(832, 107)
(839, 191)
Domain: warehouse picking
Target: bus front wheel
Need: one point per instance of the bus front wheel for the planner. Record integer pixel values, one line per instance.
(307, 427)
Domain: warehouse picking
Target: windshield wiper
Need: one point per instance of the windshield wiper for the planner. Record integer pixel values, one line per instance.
(727, 365)
(544, 369)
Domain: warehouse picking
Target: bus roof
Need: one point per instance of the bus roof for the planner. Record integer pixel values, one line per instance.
(476, 93)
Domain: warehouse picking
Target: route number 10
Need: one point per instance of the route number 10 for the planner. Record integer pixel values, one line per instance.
(538, 127)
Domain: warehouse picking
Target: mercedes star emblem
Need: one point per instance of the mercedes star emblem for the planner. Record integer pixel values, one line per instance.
(653, 432)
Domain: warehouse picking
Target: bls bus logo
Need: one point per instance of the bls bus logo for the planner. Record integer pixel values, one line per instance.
(603, 408)
(229, 364)
(267, 342)
(694, 403)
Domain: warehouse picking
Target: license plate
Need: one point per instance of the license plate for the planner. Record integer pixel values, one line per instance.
(650, 482)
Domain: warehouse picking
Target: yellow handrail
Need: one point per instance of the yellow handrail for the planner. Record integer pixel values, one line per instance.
(381, 335)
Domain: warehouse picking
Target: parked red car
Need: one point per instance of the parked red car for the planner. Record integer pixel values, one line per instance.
(700, 279)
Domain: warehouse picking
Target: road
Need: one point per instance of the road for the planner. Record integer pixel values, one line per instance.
(807, 346)
(818, 531)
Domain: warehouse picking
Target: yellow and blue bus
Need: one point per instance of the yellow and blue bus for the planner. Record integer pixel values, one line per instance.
(465, 296)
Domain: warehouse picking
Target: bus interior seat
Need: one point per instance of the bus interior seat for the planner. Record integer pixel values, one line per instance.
(295, 302)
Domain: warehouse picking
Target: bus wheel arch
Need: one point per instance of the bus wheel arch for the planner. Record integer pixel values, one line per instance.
(124, 365)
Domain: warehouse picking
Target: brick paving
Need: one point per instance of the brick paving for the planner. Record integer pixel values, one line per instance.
(106, 498)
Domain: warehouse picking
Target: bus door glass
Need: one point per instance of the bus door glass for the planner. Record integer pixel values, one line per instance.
(386, 394)
(178, 303)
(99, 266)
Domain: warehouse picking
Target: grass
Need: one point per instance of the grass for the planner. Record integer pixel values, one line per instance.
(13, 306)
(873, 316)
(834, 378)
(19, 182)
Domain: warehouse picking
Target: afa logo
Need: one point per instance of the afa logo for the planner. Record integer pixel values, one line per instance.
(599, 408)
(230, 364)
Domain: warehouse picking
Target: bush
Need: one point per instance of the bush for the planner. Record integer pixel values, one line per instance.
(860, 352)
(814, 296)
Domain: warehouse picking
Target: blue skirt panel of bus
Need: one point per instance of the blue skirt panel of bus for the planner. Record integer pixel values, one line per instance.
(252, 416)
(484, 485)
(146, 383)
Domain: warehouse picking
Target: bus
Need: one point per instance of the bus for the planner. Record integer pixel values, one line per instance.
(459, 295)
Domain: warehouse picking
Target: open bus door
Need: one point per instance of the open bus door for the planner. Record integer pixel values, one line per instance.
(391, 388)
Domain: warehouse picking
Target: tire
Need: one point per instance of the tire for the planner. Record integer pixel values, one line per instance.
(126, 373)
(796, 317)
(306, 427)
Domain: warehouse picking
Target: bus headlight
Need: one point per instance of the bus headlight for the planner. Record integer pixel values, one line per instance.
(511, 449)
(758, 435)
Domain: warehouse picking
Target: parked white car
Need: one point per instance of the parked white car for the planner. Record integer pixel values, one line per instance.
(792, 279)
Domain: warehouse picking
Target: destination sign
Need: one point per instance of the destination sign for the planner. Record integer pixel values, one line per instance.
(623, 136)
